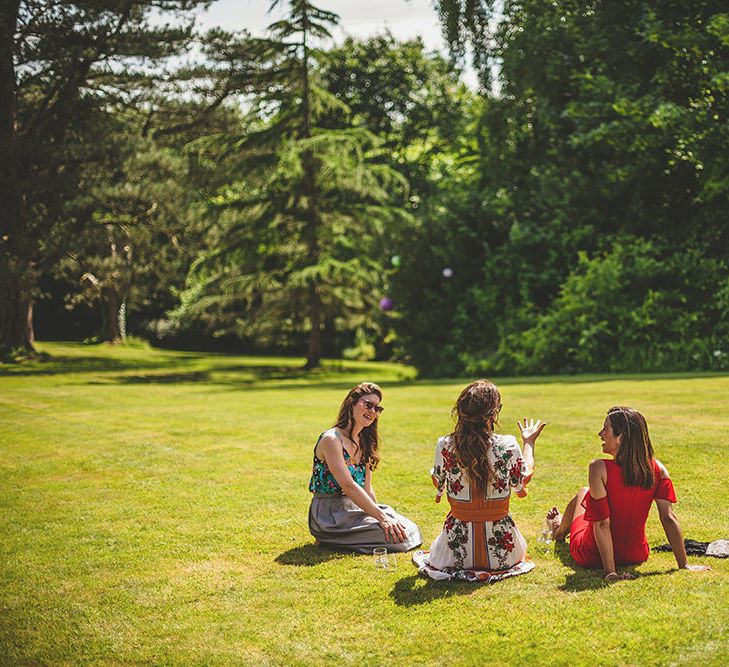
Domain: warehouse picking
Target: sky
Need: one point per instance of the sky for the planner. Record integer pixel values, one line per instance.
(359, 18)
(405, 19)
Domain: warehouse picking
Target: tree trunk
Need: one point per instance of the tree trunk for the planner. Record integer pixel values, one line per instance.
(110, 304)
(17, 276)
(16, 323)
(313, 355)
(16, 302)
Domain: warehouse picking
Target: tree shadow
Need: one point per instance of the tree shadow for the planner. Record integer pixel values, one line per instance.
(578, 378)
(164, 378)
(242, 375)
(234, 371)
(50, 365)
(47, 364)
(307, 555)
(417, 589)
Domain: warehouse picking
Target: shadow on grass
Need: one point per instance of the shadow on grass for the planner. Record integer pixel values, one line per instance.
(233, 372)
(165, 378)
(308, 555)
(48, 364)
(254, 372)
(286, 378)
(417, 589)
(334, 376)
(582, 579)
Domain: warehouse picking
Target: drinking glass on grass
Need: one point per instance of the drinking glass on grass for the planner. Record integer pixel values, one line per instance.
(383, 560)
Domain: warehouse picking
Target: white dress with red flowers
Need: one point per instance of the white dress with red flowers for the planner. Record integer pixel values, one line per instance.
(484, 544)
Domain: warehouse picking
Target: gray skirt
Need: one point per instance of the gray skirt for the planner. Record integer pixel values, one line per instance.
(338, 522)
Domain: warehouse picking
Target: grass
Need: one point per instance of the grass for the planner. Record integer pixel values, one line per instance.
(153, 510)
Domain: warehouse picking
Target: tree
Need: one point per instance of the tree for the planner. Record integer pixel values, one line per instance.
(138, 240)
(60, 63)
(415, 102)
(306, 208)
(606, 128)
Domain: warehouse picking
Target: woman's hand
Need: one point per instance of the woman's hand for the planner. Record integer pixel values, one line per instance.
(530, 430)
(394, 530)
(618, 576)
(697, 568)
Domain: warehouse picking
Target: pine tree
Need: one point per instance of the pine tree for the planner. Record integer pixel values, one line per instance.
(305, 221)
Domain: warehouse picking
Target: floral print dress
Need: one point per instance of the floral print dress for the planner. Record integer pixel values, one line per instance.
(479, 539)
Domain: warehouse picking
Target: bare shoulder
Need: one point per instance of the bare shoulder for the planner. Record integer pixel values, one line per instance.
(597, 478)
(328, 444)
(329, 439)
(596, 470)
(663, 470)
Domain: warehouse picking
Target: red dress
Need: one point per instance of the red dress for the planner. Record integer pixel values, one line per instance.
(627, 507)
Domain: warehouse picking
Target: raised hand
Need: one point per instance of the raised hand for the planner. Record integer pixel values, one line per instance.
(530, 429)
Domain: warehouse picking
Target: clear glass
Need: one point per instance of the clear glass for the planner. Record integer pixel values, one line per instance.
(382, 560)
(544, 538)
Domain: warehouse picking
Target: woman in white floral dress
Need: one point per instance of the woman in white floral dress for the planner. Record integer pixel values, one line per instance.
(478, 469)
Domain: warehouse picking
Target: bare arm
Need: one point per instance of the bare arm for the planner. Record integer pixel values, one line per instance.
(670, 524)
(530, 431)
(675, 536)
(673, 531)
(368, 486)
(330, 451)
(601, 529)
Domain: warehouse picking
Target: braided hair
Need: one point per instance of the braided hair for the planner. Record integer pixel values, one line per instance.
(476, 411)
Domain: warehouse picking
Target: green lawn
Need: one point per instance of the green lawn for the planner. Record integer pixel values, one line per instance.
(153, 510)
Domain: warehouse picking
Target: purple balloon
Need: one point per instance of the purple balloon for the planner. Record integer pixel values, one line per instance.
(386, 303)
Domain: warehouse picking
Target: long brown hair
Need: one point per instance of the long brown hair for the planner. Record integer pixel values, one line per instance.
(635, 454)
(476, 411)
(369, 441)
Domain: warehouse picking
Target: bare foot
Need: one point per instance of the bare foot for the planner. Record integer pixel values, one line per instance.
(554, 521)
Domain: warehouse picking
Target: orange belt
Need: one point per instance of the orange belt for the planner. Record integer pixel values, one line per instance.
(479, 509)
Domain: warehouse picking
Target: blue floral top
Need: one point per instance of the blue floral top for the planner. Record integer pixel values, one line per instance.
(322, 480)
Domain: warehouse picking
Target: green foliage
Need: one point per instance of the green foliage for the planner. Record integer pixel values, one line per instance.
(362, 350)
(65, 66)
(129, 254)
(307, 209)
(628, 307)
(579, 200)
(603, 140)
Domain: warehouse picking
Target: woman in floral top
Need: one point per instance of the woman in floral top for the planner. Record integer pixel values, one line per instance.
(344, 512)
(477, 470)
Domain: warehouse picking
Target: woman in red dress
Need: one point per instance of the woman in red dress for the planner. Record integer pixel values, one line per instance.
(606, 522)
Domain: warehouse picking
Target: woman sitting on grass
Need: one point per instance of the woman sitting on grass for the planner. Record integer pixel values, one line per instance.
(344, 512)
(606, 522)
(477, 470)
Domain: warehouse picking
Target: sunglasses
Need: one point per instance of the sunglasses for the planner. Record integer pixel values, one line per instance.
(371, 406)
